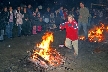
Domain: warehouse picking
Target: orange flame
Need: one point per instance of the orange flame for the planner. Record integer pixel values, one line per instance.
(96, 33)
(45, 45)
(107, 28)
(49, 54)
(81, 37)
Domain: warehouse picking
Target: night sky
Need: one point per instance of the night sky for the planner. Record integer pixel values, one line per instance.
(46, 2)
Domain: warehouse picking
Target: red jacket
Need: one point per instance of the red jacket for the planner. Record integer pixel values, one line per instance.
(71, 29)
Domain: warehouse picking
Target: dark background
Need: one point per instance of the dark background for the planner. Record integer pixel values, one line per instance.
(50, 3)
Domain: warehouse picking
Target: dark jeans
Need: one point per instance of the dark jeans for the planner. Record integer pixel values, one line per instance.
(1, 34)
(19, 29)
(25, 29)
(9, 28)
(84, 25)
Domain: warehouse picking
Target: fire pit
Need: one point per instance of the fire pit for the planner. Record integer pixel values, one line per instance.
(44, 56)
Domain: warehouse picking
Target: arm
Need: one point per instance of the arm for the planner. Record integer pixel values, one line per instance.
(17, 18)
(75, 25)
(62, 26)
(38, 14)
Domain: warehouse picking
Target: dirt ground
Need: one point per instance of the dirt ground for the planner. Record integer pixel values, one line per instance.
(93, 57)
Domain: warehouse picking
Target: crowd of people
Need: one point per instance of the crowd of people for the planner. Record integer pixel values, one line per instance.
(31, 21)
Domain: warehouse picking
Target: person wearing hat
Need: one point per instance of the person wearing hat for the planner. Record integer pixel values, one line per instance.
(71, 27)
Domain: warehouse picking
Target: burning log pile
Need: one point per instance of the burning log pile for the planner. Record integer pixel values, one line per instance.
(55, 59)
(96, 34)
(44, 56)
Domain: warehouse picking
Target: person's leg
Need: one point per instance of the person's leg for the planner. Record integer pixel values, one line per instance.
(68, 43)
(89, 19)
(2, 33)
(1, 36)
(75, 46)
(19, 30)
(27, 28)
(79, 27)
(85, 30)
(11, 29)
(23, 29)
(8, 30)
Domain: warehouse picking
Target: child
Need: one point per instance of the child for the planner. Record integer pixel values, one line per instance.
(39, 25)
(34, 24)
(71, 27)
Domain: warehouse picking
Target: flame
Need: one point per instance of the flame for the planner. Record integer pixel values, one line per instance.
(47, 39)
(45, 45)
(107, 28)
(96, 33)
(48, 54)
(81, 37)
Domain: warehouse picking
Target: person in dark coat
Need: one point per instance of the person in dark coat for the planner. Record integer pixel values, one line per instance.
(34, 22)
(3, 22)
(26, 23)
(41, 25)
(57, 18)
(9, 26)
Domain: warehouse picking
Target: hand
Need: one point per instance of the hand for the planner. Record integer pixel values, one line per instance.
(26, 19)
(60, 26)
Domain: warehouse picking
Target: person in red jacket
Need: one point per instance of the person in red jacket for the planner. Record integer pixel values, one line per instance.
(71, 27)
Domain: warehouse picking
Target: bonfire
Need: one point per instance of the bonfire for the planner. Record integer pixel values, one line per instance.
(45, 56)
(96, 34)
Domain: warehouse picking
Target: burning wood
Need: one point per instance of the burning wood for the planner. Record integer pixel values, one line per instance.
(44, 56)
(96, 34)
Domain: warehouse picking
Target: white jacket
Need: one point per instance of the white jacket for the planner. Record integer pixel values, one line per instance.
(19, 19)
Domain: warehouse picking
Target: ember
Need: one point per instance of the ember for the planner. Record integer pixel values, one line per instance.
(96, 33)
(45, 56)
(81, 37)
